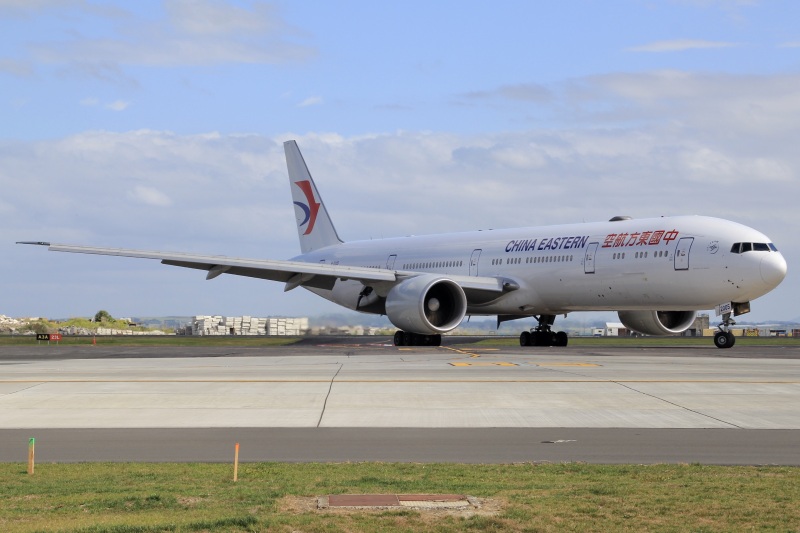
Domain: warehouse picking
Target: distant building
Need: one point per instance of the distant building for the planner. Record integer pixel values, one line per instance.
(616, 329)
(698, 327)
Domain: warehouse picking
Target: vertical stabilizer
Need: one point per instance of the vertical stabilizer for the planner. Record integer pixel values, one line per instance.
(314, 226)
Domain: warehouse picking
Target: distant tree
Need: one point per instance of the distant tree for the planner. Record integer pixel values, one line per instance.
(103, 316)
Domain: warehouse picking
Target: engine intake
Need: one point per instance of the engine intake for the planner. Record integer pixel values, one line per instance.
(427, 304)
(657, 322)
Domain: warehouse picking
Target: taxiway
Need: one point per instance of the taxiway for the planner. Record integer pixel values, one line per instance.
(372, 401)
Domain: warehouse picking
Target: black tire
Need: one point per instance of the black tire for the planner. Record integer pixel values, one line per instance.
(561, 338)
(525, 338)
(540, 338)
(398, 338)
(724, 339)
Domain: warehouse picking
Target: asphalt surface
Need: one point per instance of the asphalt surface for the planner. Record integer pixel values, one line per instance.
(415, 445)
(362, 400)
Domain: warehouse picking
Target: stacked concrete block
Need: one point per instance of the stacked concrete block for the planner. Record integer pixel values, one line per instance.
(114, 331)
(208, 325)
(248, 325)
(287, 326)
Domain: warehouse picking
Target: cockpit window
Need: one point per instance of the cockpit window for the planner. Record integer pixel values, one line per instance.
(742, 247)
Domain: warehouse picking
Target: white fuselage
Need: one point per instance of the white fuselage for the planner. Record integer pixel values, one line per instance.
(668, 263)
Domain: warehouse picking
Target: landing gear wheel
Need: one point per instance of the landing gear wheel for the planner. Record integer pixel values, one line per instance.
(405, 338)
(724, 339)
(408, 339)
(543, 335)
(561, 338)
(398, 338)
(525, 338)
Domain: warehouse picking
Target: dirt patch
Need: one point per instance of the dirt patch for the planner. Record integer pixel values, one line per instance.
(310, 504)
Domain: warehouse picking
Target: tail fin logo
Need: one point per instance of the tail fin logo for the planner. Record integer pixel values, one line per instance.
(310, 209)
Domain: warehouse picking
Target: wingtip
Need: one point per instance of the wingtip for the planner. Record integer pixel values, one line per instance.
(35, 243)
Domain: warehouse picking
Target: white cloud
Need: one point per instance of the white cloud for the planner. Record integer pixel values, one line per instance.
(310, 101)
(16, 68)
(118, 105)
(209, 17)
(723, 104)
(27, 8)
(203, 32)
(680, 45)
(150, 196)
(533, 92)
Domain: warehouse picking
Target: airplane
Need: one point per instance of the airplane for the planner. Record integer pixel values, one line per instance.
(656, 273)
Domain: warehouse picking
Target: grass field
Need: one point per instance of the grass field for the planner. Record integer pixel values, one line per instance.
(279, 497)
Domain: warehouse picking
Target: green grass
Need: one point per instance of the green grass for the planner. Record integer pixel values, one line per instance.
(568, 497)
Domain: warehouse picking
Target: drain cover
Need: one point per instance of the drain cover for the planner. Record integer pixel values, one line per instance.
(422, 501)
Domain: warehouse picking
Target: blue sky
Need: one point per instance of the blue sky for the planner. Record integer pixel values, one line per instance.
(159, 125)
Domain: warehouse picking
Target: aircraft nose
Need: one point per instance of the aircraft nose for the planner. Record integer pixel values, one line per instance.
(773, 269)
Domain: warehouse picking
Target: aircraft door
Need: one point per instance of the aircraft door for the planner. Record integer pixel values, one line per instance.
(588, 261)
(473, 262)
(682, 253)
(390, 262)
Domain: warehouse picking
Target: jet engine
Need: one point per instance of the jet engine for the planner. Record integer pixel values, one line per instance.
(657, 322)
(427, 304)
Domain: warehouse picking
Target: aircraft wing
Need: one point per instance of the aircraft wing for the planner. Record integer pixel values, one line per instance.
(292, 273)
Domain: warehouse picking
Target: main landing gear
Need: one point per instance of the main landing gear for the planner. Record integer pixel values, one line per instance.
(542, 335)
(405, 338)
(724, 337)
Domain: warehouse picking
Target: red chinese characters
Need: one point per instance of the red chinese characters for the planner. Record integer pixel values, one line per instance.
(645, 238)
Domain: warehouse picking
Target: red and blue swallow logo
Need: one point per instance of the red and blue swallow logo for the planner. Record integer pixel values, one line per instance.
(310, 209)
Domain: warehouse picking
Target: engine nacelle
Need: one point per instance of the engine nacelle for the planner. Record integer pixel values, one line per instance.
(427, 304)
(657, 322)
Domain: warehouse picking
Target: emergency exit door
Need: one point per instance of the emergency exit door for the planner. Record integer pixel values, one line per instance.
(682, 253)
(588, 261)
(473, 262)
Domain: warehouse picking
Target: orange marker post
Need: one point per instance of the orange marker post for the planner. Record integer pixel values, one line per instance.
(31, 444)
(236, 464)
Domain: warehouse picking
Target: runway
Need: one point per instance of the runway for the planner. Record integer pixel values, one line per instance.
(372, 401)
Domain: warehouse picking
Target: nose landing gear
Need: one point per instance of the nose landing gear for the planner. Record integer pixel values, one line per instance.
(724, 338)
